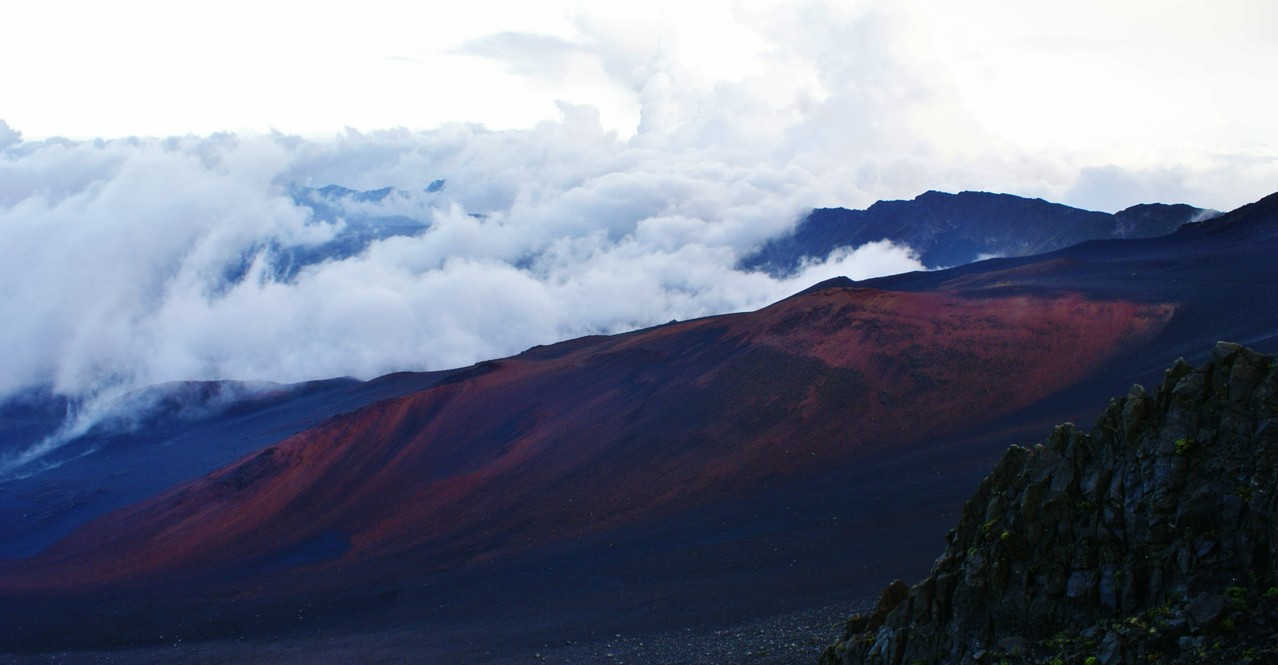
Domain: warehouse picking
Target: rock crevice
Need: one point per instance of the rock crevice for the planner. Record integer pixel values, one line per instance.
(1153, 538)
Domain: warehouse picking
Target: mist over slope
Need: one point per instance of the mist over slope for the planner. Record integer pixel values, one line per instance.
(135, 261)
(274, 280)
(139, 261)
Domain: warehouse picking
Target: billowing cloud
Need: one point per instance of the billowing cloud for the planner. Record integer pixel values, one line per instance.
(8, 135)
(135, 261)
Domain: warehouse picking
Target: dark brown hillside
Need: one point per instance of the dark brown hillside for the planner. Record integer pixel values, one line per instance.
(552, 446)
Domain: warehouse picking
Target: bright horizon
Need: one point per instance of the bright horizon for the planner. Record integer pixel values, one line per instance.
(1162, 91)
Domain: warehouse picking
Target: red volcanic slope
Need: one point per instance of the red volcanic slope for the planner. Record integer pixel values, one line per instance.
(596, 433)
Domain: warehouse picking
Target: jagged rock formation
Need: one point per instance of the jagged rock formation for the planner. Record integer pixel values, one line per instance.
(1152, 539)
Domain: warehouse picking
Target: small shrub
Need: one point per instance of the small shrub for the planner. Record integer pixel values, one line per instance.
(1271, 593)
(1184, 446)
(1091, 660)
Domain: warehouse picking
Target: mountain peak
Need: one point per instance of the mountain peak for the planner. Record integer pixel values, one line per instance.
(840, 282)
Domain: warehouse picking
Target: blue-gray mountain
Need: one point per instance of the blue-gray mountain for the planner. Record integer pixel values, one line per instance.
(955, 229)
(361, 216)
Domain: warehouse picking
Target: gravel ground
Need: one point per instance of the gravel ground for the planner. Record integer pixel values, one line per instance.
(795, 638)
(789, 639)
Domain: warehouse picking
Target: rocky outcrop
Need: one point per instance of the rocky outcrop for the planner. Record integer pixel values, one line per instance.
(1153, 538)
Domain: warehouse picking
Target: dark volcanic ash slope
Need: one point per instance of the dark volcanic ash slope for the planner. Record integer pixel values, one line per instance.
(1151, 539)
(152, 439)
(602, 432)
(665, 438)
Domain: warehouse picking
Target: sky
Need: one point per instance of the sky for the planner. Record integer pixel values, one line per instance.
(606, 164)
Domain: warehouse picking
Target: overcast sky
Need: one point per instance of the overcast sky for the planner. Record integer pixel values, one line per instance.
(1163, 89)
(606, 163)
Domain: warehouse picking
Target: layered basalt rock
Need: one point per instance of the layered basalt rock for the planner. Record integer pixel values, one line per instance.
(1153, 538)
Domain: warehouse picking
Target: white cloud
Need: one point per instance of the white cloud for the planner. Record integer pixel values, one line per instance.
(139, 261)
(8, 135)
(129, 262)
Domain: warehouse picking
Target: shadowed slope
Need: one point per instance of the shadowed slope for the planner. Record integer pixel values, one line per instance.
(153, 439)
(559, 443)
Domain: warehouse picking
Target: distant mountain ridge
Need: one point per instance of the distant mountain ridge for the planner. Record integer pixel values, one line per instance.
(949, 230)
(1151, 539)
(946, 230)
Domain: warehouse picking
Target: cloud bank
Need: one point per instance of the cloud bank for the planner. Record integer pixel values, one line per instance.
(136, 261)
(133, 262)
